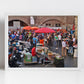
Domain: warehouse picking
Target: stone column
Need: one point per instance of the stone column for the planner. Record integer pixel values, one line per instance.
(76, 26)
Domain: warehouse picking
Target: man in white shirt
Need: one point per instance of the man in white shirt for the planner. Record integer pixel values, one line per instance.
(63, 48)
(59, 37)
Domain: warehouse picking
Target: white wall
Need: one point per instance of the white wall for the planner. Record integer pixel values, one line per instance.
(42, 7)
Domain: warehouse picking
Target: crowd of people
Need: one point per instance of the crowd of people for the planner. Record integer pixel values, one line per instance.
(31, 38)
(59, 38)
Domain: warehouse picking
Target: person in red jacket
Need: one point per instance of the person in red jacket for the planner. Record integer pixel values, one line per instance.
(34, 51)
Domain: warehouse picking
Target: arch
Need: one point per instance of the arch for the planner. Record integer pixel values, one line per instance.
(25, 19)
(22, 23)
(51, 20)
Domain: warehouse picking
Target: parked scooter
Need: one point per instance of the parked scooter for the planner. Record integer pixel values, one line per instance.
(16, 59)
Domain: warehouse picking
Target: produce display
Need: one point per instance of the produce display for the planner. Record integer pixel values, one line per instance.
(27, 57)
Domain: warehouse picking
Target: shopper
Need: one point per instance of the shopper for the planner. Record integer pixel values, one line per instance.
(28, 44)
(17, 36)
(71, 31)
(31, 39)
(56, 40)
(34, 41)
(63, 48)
(59, 38)
(49, 41)
(26, 36)
(74, 40)
(13, 37)
(70, 43)
(20, 37)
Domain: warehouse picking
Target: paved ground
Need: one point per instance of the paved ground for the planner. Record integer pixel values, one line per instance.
(69, 61)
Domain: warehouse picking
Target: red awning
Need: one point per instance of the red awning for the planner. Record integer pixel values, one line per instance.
(44, 30)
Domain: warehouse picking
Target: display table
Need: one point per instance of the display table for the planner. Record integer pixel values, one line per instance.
(39, 44)
(28, 59)
(46, 54)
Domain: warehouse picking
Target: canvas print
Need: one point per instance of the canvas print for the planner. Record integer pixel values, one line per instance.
(43, 41)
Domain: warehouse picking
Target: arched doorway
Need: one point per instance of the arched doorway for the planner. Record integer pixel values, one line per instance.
(14, 24)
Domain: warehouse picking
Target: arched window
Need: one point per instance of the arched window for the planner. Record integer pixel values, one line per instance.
(11, 23)
(57, 25)
(52, 23)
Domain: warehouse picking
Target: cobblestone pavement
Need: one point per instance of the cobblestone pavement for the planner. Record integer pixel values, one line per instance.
(69, 61)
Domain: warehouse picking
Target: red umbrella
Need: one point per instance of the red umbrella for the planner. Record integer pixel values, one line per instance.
(34, 28)
(44, 30)
(27, 28)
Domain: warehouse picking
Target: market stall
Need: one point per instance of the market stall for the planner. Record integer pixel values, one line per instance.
(27, 28)
(34, 28)
(48, 56)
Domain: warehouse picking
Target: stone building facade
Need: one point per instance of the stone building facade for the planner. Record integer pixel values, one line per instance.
(50, 21)
(45, 21)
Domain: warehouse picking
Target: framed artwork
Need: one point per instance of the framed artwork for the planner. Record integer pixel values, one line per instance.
(41, 41)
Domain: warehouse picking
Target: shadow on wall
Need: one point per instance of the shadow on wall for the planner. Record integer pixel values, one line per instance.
(2, 42)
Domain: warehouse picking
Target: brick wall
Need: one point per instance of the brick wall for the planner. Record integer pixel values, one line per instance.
(25, 19)
(76, 26)
(42, 20)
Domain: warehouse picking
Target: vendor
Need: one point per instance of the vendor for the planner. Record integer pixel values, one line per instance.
(34, 53)
(42, 41)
